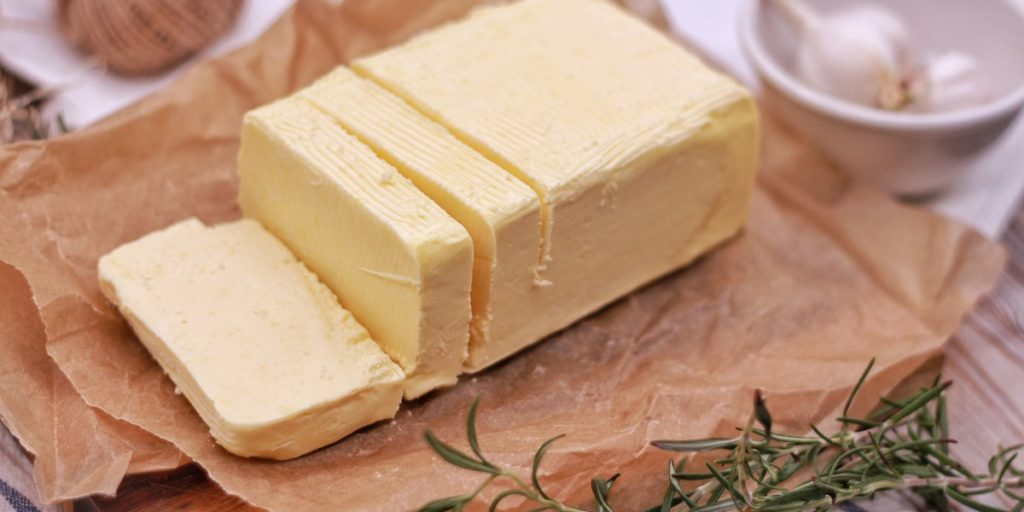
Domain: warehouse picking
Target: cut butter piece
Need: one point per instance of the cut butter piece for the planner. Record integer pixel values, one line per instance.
(501, 213)
(396, 260)
(257, 344)
(643, 157)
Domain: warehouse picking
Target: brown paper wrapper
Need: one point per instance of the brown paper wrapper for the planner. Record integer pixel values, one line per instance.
(826, 275)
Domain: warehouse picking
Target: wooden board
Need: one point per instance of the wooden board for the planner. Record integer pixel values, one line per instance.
(186, 488)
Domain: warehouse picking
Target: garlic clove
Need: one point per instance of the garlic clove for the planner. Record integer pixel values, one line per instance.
(953, 80)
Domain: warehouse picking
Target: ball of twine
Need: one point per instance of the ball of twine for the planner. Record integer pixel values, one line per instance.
(144, 36)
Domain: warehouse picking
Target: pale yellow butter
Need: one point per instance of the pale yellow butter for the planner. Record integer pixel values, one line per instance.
(257, 344)
(396, 260)
(643, 158)
(501, 213)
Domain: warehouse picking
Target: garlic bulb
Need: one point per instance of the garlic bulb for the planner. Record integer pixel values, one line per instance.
(855, 54)
(864, 54)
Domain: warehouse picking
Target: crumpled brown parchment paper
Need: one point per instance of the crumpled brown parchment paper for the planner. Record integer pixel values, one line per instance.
(827, 274)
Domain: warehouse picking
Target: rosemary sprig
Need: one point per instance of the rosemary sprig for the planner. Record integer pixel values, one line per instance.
(901, 445)
(532, 492)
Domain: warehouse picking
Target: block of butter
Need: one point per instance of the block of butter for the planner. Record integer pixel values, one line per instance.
(258, 345)
(642, 157)
(396, 260)
(501, 213)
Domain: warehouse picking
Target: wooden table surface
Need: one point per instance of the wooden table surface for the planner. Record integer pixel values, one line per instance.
(985, 359)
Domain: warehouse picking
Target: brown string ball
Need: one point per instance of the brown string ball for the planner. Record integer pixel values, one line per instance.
(144, 36)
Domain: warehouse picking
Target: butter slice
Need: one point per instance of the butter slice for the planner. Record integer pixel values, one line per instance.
(257, 344)
(642, 156)
(396, 260)
(501, 213)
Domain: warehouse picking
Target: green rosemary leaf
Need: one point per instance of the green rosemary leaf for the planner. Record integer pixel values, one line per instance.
(536, 465)
(601, 488)
(770, 469)
(674, 489)
(453, 503)
(877, 446)
(1002, 473)
(916, 470)
(960, 498)
(826, 439)
(879, 483)
(674, 482)
(942, 420)
(721, 506)
(919, 401)
(914, 433)
(1000, 455)
(924, 422)
(829, 488)
(790, 468)
(689, 501)
(895, 404)
(760, 479)
(456, 457)
(856, 387)
(716, 494)
(798, 506)
(762, 414)
(670, 494)
(782, 438)
(474, 444)
(505, 494)
(737, 496)
(691, 477)
(980, 490)
(1008, 450)
(859, 422)
(803, 493)
(846, 454)
(949, 462)
(844, 476)
(1013, 470)
(698, 445)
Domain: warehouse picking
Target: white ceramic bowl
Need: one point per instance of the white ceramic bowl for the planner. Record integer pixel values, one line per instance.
(906, 153)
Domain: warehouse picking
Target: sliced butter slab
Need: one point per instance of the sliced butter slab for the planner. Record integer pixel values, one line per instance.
(396, 260)
(642, 156)
(501, 213)
(257, 344)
